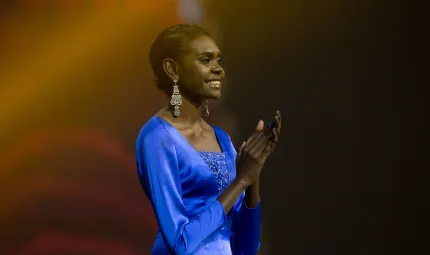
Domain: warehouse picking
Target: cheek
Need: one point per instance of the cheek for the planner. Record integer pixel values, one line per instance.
(193, 76)
(198, 74)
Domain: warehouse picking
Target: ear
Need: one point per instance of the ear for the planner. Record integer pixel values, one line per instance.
(171, 68)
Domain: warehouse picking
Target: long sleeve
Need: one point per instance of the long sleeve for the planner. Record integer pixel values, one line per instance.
(160, 178)
(246, 228)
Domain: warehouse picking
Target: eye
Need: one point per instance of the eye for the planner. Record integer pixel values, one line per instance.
(219, 60)
(205, 60)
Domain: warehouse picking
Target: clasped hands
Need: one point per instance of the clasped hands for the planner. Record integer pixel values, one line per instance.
(254, 152)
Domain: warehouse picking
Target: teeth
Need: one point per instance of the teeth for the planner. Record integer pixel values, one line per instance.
(214, 83)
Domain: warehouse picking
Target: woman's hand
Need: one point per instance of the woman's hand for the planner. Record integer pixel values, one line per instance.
(253, 153)
(275, 127)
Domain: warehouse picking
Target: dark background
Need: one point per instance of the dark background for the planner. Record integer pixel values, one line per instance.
(75, 88)
(346, 76)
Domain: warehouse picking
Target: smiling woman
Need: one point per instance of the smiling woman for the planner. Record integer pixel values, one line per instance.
(192, 52)
(206, 200)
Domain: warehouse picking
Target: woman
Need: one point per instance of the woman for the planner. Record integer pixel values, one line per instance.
(206, 200)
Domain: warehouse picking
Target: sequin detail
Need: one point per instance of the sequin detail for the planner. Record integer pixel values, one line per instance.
(217, 163)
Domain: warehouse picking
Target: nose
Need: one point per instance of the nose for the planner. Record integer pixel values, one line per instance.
(218, 70)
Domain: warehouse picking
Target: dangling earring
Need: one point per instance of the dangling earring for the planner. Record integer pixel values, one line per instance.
(176, 99)
(207, 108)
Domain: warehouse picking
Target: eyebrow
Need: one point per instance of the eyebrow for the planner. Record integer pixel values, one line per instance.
(210, 54)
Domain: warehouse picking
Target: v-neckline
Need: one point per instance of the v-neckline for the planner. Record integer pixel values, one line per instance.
(220, 140)
(182, 137)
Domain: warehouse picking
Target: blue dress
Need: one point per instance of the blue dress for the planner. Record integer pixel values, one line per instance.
(183, 185)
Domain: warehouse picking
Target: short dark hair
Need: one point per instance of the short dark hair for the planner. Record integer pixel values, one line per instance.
(171, 43)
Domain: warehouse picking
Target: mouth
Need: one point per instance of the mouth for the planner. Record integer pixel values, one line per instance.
(214, 83)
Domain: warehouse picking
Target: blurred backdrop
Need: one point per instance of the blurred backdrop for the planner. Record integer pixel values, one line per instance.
(76, 86)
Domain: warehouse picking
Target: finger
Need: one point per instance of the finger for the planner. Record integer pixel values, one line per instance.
(241, 149)
(250, 138)
(278, 121)
(274, 135)
(273, 147)
(259, 145)
(260, 126)
(258, 129)
(255, 138)
(266, 152)
(238, 156)
(274, 140)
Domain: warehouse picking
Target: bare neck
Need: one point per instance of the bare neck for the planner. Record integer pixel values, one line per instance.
(190, 114)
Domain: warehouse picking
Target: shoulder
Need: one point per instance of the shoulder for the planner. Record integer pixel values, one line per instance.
(225, 140)
(220, 132)
(153, 132)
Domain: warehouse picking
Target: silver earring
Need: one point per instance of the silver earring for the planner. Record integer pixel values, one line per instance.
(207, 108)
(176, 99)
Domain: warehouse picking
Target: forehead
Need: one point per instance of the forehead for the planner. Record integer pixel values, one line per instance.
(203, 44)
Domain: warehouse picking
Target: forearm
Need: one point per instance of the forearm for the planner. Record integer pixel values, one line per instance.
(252, 194)
(230, 195)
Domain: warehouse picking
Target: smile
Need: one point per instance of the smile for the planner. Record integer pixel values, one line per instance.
(214, 84)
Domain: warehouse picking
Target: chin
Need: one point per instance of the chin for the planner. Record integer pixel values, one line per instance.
(214, 96)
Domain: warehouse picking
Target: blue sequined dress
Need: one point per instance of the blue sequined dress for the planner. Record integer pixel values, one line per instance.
(183, 186)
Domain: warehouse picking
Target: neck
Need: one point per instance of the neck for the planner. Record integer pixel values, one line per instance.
(190, 112)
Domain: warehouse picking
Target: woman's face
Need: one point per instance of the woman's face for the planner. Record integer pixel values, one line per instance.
(199, 70)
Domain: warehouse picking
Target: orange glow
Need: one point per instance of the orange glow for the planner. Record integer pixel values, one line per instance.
(54, 242)
(46, 54)
(49, 140)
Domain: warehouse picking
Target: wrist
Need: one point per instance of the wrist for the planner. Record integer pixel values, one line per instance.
(254, 183)
(243, 183)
